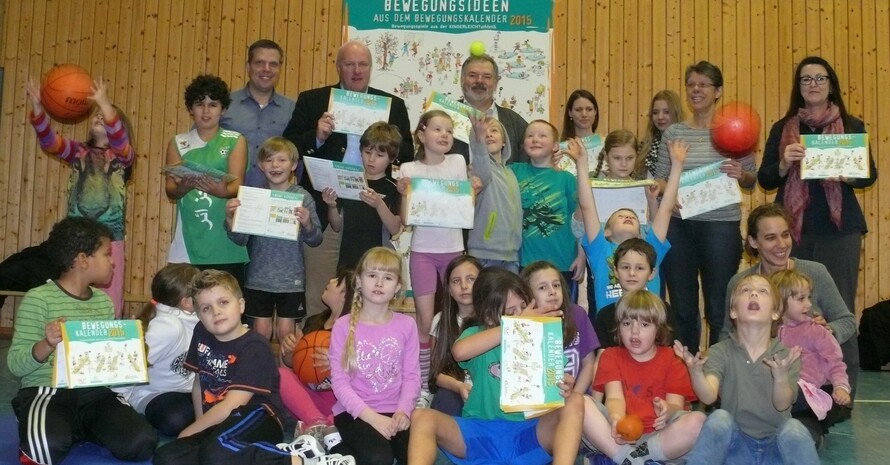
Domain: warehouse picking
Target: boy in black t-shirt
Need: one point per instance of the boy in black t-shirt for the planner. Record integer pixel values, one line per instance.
(368, 222)
(236, 389)
(634, 261)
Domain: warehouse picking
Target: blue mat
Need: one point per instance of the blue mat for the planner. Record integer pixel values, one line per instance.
(85, 453)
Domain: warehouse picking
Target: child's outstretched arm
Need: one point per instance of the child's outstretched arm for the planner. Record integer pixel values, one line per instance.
(50, 141)
(706, 387)
(784, 371)
(476, 344)
(678, 149)
(586, 205)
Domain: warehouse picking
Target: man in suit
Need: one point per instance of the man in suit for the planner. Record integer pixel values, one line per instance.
(311, 129)
(479, 79)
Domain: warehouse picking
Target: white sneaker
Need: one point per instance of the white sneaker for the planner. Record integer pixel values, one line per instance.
(304, 446)
(425, 399)
(333, 459)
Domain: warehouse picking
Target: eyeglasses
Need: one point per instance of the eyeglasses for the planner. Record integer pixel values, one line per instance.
(698, 85)
(819, 79)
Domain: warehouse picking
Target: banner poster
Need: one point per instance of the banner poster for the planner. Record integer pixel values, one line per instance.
(418, 47)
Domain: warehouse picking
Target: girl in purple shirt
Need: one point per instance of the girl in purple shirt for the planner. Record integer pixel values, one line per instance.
(579, 338)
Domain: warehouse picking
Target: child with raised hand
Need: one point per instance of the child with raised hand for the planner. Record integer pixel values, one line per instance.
(275, 278)
(457, 306)
(600, 243)
(432, 248)
(100, 169)
(200, 237)
(485, 434)
(169, 321)
(642, 377)
(313, 404)
(368, 222)
(549, 198)
(634, 262)
(821, 360)
(52, 420)
(375, 371)
(497, 233)
(579, 339)
(235, 393)
(755, 377)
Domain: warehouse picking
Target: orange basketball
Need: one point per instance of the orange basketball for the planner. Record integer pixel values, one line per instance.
(304, 364)
(65, 92)
(630, 427)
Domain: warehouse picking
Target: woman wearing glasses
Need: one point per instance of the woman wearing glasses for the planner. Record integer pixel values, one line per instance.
(708, 244)
(828, 223)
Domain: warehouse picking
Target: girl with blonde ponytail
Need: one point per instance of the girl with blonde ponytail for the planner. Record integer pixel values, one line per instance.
(375, 372)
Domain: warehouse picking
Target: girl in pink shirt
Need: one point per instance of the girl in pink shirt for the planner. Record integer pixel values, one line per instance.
(375, 367)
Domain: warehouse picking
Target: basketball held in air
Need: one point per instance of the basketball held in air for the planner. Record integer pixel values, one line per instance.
(65, 93)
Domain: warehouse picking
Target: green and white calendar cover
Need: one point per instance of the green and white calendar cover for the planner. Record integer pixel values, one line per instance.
(834, 156)
(445, 203)
(355, 111)
(532, 363)
(100, 353)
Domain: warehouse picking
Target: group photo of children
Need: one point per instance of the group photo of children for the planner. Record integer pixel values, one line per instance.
(324, 295)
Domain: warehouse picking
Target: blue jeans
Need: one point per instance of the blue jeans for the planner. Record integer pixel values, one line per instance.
(722, 442)
(712, 249)
(507, 265)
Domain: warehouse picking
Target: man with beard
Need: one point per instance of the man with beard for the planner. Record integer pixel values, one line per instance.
(479, 79)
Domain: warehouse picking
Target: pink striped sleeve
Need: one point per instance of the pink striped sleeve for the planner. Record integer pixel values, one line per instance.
(51, 142)
(119, 141)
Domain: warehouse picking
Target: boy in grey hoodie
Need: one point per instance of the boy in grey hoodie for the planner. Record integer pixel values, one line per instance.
(497, 232)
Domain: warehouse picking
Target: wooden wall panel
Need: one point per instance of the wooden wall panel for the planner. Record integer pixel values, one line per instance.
(623, 51)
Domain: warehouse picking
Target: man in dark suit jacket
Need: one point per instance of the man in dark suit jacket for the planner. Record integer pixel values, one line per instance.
(311, 129)
(478, 80)
(311, 126)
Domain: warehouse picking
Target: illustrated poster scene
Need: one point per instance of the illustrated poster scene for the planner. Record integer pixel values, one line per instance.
(419, 52)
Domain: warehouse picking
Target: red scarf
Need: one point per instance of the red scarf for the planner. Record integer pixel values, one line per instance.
(797, 194)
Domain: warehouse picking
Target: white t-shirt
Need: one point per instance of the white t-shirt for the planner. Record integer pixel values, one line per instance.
(167, 337)
(432, 239)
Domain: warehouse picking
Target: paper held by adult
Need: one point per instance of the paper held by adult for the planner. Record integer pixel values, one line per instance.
(346, 180)
(187, 169)
(100, 353)
(458, 111)
(611, 195)
(835, 155)
(264, 212)
(592, 143)
(445, 203)
(705, 188)
(532, 363)
(355, 111)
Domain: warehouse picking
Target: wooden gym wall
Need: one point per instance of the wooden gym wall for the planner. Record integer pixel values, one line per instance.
(622, 50)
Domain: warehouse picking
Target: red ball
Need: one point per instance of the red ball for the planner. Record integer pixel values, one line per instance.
(304, 364)
(65, 92)
(630, 427)
(736, 129)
